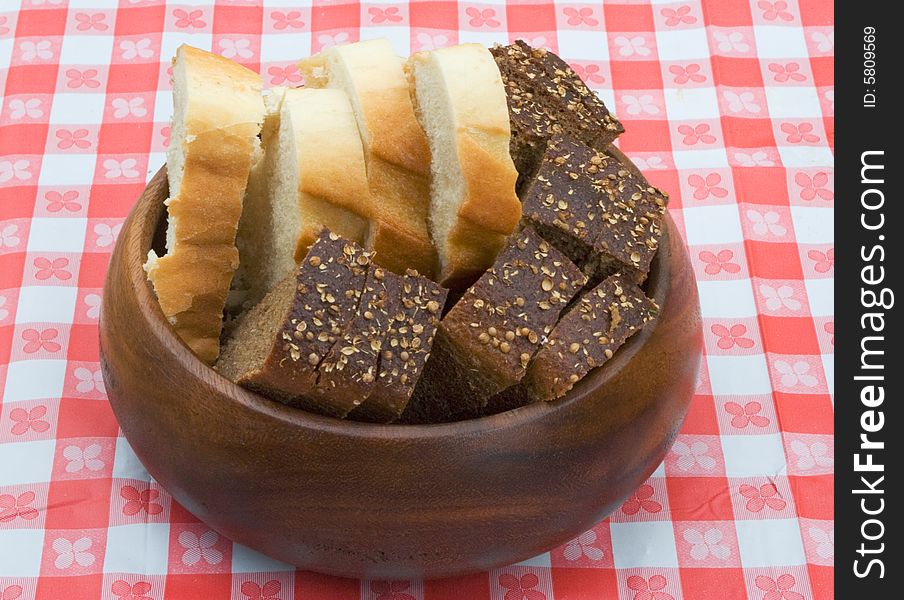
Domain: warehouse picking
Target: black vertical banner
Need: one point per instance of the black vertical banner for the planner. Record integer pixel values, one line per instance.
(869, 437)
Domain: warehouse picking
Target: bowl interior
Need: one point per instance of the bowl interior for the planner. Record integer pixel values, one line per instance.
(151, 218)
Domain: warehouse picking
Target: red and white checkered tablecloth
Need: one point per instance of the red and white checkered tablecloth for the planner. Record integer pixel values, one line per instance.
(728, 105)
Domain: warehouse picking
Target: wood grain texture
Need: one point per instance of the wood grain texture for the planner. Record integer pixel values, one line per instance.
(393, 501)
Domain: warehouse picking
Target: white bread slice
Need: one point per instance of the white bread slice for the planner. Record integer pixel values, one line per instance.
(461, 104)
(312, 176)
(395, 148)
(257, 213)
(217, 115)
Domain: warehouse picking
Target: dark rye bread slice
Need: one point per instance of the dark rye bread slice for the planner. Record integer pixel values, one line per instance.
(485, 342)
(595, 209)
(347, 374)
(546, 98)
(414, 314)
(278, 346)
(586, 337)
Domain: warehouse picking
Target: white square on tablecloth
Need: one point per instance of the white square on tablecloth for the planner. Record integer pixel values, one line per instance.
(682, 44)
(770, 542)
(691, 103)
(6, 50)
(171, 40)
(142, 548)
(246, 560)
(813, 225)
(87, 50)
(398, 37)
(821, 297)
(583, 45)
(644, 544)
(284, 47)
(729, 298)
(20, 552)
(792, 102)
(46, 304)
(57, 234)
(83, 109)
(155, 161)
(780, 42)
(26, 462)
(715, 158)
(713, 225)
(126, 465)
(34, 380)
(828, 367)
(805, 157)
(738, 375)
(67, 169)
(754, 455)
(163, 106)
(541, 560)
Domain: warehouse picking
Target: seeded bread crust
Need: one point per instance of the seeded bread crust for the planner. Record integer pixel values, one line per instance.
(414, 316)
(546, 98)
(587, 336)
(316, 305)
(349, 371)
(593, 208)
(486, 341)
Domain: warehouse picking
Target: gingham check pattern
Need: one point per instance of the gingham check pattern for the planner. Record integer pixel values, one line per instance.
(728, 105)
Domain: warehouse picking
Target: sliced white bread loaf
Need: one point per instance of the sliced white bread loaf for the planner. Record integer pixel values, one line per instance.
(461, 104)
(313, 176)
(217, 115)
(395, 148)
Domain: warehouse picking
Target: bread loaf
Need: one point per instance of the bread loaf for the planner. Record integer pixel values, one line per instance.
(593, 208)
(461, 104)
(485, 342)
(395, 148)
(547, 98)
(414, 315)
(315, 178)
(217, 116)
(586, 336)
(278, 346)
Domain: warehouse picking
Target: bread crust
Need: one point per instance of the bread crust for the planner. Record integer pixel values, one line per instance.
(395, 147)
(223, 116)
(489, 210)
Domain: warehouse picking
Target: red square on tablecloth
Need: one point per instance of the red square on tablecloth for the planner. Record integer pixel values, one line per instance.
(66, 501)
(134, 20)
(628, 17)
(41, 22)
(197, 587)
(315, 586)
(235, 18)
(699, 499)
(466, 586)
(539, 15)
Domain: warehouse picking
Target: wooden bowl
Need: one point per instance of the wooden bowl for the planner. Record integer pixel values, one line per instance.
(392, 501)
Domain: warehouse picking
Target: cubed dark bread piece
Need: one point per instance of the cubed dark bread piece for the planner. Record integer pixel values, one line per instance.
(485, 342)
(414, 314)
(347, 374)
(278, 346)
(595, 209)
(587, 336)
(545, 98)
